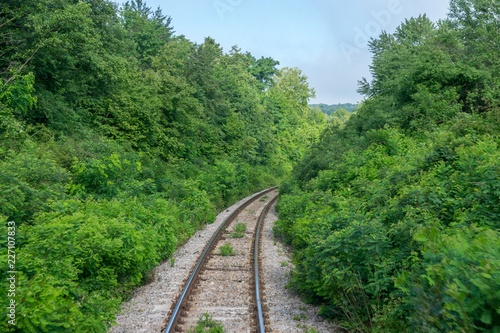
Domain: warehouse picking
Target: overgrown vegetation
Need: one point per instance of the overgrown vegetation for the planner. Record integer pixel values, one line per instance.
(394, 215)
(226, 250)
(330, 109)
(118, 140)
(206, 324)
(239, 230)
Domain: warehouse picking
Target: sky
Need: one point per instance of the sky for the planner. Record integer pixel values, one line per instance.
(326, 39)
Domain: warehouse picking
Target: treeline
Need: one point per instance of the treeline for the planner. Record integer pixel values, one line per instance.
(118, 139)
(329, 109)
(394, 216)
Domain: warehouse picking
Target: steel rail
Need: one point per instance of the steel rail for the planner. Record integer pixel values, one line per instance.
(260, 328)
(176, 313)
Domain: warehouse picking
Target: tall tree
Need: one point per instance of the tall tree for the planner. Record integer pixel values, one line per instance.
(478, 22)
(263, 69)
(425, 74)
(150, 30)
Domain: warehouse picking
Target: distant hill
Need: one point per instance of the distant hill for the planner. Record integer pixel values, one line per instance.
(329, 109)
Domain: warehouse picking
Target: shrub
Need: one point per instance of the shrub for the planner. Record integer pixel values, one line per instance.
(207, 324)
(239, 230)
(29, 180)
(227, 250)
(352, 226)
(80, 260)
(110, 177)
(457, 285)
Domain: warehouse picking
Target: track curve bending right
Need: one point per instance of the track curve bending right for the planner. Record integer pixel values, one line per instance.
(224, 286)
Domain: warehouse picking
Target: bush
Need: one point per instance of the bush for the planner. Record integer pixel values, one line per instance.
(456, 288)
(239, 230)
(110, 177)
(353, 225)
(29, 180)
(226, 250)
(207, 324)
(80, 260)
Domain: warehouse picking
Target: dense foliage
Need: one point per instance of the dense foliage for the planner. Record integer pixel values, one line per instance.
(394, 215)
(329, 109)
(118, 139)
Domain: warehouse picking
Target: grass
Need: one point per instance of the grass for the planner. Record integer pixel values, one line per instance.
(227, 250)
(302, 316)
(207, 324)
(264, 198)
(284, 263)
(307, 329)
(239, 230)
(172, 262)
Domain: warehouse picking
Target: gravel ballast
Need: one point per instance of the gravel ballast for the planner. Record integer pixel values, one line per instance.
(148, 308)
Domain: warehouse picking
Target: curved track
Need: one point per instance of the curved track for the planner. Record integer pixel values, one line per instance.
(227, 287)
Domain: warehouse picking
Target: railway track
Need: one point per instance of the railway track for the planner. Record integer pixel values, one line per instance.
(225, 284)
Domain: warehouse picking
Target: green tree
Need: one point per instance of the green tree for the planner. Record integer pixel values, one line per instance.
(148, 29)
(15, 101)
(424, 75)
(478, 24)
(297, 123)
(263, 70)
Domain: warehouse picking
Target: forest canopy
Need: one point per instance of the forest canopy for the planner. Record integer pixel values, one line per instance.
(329, 109)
